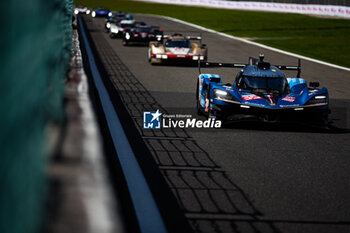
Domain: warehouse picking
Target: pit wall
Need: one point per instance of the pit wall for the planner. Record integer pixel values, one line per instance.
(35, 47)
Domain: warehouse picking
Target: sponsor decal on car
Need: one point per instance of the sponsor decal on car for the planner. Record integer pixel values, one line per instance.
(289, 106)
(250, 97)
(289, 98)
(206, 106)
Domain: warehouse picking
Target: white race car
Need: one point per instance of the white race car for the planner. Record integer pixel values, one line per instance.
(81, 10)
(117, 29)
(177, 48)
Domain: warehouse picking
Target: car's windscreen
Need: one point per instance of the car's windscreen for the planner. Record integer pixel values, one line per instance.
(262, 83)
(144, 29)
(178, 44)
(127, 25)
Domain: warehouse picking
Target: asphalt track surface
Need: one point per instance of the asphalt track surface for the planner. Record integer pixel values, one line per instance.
(251, 177)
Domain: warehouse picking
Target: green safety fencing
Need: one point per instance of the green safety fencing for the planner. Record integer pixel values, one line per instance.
(35, 46)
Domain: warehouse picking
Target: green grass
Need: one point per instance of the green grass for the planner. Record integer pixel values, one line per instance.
(326, 39)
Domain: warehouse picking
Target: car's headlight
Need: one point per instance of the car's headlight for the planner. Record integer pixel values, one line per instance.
(223, 95)
(88, 12)
(93, 14)
(158, 55)
(318, 99)
(114, 30)
(201, 58)
(110, 14)
(108, 25)
(195, 57)
(76, 12)
(159, 37)
(164, 56)
(127, 36)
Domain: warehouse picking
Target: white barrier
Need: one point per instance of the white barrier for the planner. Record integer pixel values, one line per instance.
(327, 10)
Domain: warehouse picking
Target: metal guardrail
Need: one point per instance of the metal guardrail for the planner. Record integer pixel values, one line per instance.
(317, 2)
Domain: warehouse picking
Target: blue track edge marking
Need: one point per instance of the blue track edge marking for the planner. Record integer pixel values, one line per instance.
(147, 213)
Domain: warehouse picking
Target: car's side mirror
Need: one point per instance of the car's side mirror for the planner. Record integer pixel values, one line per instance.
(314, 84)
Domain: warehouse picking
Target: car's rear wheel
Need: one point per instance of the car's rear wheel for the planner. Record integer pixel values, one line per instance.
(125, 43)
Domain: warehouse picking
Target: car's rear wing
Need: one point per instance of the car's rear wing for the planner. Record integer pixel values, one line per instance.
(252, 61)
(216, 64)
(193, 37)
(140, 23)
(199, 37)
(255, 61)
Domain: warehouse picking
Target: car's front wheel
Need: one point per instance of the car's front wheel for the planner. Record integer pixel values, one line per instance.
(149, 56)
(198, 99)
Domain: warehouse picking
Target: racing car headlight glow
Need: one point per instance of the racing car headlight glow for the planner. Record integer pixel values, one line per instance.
(93, 14)
(76, 11)
(195, 57)
(88, 12)
(220, 92)
(158, 55)
(164, 56)
(110, 14)
(114, 30)
(318, 100)
(159, 37)
(108, 25)
(224, 96)
(202, 58)
(127, 36)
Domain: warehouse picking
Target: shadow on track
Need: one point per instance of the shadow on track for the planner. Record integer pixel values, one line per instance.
(209, 199)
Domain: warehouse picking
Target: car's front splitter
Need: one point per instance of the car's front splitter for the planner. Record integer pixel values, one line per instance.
(234, 112)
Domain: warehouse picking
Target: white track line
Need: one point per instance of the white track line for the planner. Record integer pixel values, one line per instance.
(253, 43)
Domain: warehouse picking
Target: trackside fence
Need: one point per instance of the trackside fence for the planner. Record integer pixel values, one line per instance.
(35, 46)
(315, 2)
(310, 9)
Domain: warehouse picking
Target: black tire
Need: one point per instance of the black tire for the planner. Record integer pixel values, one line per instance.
(208, 96)
(198, 106)
(149, 57)
(125, 43)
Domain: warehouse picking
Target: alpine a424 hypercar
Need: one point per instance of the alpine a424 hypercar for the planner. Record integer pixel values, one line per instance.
(101, 12)
(177, 48)
(261, 92)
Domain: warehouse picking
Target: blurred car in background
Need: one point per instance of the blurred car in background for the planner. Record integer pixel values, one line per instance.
(81, 10)
(177, 48)
(114, 18)
(142, 34)
(117, 29)
(101, 12)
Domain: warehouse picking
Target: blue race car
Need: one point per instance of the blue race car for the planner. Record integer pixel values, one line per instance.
(101, 12)
(261, 92)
